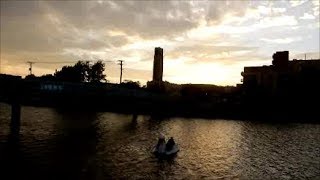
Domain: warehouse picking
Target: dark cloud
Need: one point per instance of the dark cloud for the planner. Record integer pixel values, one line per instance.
(52, 26)
(12, 9)
(144, 18)
(36, 27)
(148, 19)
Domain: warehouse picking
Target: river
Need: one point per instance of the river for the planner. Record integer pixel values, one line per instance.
(55, 144)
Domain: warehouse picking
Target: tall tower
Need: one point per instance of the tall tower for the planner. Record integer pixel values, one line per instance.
(158, 65)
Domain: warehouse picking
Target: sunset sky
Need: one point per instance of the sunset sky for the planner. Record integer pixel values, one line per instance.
(204, 41)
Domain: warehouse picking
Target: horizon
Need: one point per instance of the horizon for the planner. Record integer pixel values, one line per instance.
(204, 42)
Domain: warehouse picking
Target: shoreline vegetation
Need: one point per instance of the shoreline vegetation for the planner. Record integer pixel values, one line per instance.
(190, 101)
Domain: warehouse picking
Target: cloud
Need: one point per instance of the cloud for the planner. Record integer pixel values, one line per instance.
(49, 33)
(206, 53)
(316, 5)
(282, 40)
(270, 10)
(144, 18)
(53, 26)
(296, 3)
(277, 21)
(216, 10)
(309, 55)
(307, 16)
(14, 9)
(132, 18)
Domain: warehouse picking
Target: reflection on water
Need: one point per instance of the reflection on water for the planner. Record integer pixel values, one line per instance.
(85, 145)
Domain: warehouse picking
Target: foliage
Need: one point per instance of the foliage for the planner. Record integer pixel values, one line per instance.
(131, 84)
(47, 77)
(30, 77)
(95, 73)
(82, 71)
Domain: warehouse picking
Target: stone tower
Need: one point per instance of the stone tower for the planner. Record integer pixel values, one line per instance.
(158, 65)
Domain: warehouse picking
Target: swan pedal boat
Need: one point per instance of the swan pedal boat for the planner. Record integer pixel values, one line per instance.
(173, 151)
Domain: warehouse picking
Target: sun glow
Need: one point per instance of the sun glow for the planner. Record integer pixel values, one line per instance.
(208, 73)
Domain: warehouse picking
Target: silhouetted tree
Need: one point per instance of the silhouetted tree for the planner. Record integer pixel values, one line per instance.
(76, 73)
(131, 84)
(82, 71)
(31, 77)
(47, 77)
(95, 73)
(67, 73)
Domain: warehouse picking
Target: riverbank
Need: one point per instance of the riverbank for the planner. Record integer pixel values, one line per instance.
(190, 102)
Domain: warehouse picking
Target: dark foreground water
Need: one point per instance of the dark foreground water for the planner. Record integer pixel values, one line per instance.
(81, 145)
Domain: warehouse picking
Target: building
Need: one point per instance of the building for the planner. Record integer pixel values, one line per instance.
(282, 74)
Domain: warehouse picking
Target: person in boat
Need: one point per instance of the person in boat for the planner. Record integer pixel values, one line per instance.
(161, 145)
(170, 144)
(160, 142)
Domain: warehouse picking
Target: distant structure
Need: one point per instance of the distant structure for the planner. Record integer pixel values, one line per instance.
(158, 65)
(282, 75)
(157, 83)
(196, 90)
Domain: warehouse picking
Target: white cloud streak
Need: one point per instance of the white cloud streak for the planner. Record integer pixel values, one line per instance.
(282, 41)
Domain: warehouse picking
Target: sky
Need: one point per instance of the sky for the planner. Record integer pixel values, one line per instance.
(204, 42)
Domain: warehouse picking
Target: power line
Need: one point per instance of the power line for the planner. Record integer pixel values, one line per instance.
(66, 62)
(45, 62)
(121, 64)
(62, 62)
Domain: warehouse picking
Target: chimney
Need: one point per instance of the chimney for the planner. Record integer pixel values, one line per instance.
(158, 65)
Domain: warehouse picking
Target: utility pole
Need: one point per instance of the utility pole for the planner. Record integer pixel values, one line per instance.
(30, 66)
(46, 62)
(121, 63)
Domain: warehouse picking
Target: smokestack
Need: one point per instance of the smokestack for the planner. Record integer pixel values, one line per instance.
(158, 65)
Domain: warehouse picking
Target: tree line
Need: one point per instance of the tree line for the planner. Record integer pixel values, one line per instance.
(82, 71)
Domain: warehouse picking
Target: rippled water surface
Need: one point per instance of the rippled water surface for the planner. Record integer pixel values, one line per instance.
(82, 145)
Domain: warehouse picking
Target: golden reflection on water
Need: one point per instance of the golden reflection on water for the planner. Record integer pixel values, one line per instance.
(86, 145)
(207, 147)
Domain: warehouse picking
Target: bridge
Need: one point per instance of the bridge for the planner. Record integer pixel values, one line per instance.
(89, 96)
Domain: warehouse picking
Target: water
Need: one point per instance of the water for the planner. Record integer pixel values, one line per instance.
(82, 145)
